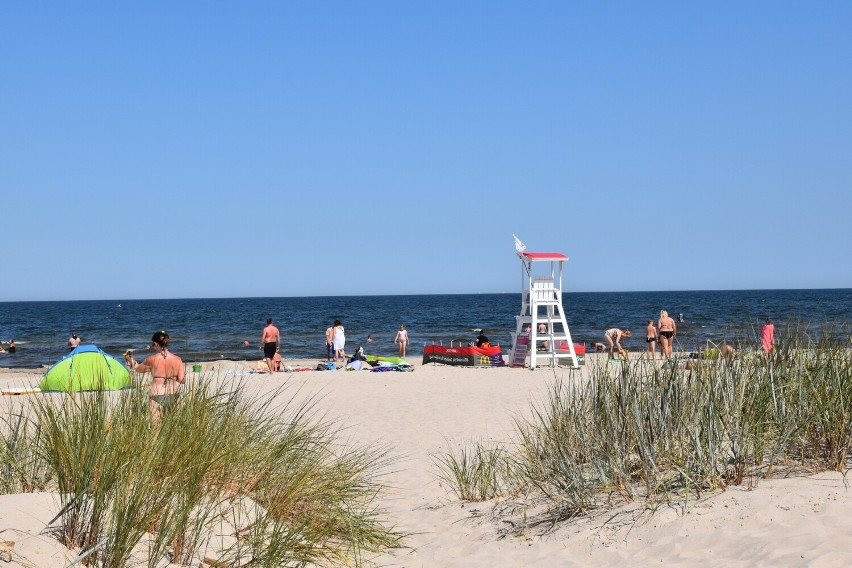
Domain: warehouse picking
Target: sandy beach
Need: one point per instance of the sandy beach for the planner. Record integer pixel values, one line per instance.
(797, 521)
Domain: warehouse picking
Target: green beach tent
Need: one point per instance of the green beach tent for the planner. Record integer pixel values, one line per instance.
(86, 368)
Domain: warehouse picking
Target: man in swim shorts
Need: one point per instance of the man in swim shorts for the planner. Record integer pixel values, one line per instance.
(269, 342)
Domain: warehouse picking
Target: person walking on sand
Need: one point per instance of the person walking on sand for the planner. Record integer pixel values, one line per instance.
(667, 330)
(167, 374)
(401, 339)
(73, 341)
(339, 340)
(651, 338)
(329, 342)
(767, 337)
(613, 337)
(270, 341)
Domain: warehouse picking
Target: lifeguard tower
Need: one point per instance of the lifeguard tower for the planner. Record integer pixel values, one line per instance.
(541, 303)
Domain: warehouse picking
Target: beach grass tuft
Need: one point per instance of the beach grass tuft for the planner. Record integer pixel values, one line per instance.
(475, 472)
(222, 474)
(22, 469)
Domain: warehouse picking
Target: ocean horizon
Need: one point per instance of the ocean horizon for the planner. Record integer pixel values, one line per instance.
(204, 329)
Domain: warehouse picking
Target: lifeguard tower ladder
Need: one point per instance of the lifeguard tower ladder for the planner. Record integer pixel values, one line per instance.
(541, 303)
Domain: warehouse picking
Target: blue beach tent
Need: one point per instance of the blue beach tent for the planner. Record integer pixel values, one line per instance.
(86, 368)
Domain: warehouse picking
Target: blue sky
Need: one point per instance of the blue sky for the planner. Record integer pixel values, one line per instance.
(213, 149)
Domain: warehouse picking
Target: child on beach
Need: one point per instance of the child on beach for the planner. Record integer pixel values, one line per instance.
(129, 361)
(651, 338)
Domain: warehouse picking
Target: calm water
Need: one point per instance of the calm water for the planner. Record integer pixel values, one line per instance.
(207, 329)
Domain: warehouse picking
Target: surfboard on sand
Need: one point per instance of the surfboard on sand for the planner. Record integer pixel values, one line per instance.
(20, 390)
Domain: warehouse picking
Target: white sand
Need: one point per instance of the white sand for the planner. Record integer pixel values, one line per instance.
(783, 522)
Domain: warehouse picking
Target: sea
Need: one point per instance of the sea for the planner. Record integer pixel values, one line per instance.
(229, 328)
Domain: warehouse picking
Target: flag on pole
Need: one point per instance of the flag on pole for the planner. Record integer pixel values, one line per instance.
(520, 247)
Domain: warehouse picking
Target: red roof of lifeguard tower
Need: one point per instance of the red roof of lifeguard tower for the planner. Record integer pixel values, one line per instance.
(545, 255)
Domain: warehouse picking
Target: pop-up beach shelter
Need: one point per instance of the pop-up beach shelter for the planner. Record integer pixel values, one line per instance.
(86, 368)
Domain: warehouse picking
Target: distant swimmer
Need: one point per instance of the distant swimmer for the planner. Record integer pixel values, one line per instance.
(12, 346)
(73, 341)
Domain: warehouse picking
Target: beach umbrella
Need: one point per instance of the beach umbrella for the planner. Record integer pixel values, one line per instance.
(86, 368)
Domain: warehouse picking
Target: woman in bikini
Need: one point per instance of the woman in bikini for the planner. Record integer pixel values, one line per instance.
(668, 330)
(401, 339)
(167, 371)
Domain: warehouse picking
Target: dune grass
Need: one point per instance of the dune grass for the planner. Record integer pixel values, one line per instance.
(661, 432)
(22, 469)
(475, 472)
(223, 474)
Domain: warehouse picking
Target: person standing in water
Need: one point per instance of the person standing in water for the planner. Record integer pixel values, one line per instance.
(401, 339)
(73, 341)
(167, 371)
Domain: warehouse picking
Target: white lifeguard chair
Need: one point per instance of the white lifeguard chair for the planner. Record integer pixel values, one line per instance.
(541, 303)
